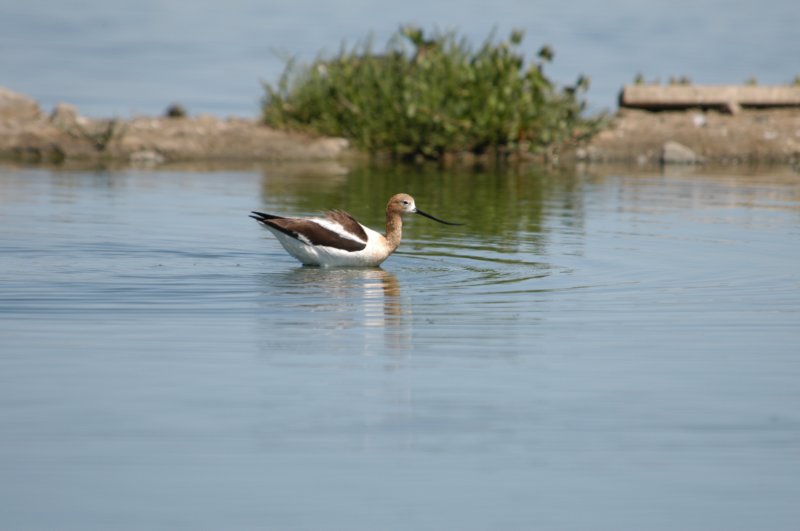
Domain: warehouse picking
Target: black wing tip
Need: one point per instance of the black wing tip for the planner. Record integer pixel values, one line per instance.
(268, 221)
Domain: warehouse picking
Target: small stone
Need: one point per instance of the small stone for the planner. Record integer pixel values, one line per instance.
(147, 157)
(699, 120)
(330, 147)
(675, 153)
(594, 154)
(176, 110)
(732, 107)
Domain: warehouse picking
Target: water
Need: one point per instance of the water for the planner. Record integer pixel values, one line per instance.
(591, 351)
(120, 58)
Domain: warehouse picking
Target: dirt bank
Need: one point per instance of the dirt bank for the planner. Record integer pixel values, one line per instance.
(695, 136)
(27, 133)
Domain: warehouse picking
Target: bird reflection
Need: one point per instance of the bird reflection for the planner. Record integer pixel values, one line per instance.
(368, 298)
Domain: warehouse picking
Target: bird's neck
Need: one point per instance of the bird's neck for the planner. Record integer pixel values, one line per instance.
(394, 230)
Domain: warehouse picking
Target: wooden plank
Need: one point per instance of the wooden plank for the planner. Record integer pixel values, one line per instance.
(730, 97)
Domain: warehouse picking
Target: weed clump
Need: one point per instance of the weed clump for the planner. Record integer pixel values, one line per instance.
(431, 97)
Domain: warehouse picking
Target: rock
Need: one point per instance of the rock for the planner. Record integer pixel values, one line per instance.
(15, 107)
(176, 110)
(589, 153)
(65, 116)
(675, 153)
(147, 157)
(329, 147)
(699, 120)
(633, 136)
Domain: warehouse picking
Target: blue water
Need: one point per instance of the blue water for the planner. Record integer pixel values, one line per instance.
(122, 58)
(590, 351)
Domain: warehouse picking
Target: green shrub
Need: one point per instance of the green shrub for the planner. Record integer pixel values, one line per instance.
(429, 97)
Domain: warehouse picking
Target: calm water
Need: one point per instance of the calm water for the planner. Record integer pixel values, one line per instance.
(117, 58)
(591, 351)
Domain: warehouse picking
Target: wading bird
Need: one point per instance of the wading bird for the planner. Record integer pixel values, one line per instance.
(338, 239)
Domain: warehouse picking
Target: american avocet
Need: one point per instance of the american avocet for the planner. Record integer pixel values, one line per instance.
(338, 239)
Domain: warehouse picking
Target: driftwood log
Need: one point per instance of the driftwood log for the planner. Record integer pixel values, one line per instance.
(727, 97)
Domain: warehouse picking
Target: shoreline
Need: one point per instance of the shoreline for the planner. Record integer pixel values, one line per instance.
(695, 136)
(28, 134)
(632, 137)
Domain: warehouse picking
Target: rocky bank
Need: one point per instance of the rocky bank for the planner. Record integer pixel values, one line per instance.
(28, 133)
(695, 136)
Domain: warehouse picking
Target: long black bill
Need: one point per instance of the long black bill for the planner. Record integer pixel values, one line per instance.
(421, 213)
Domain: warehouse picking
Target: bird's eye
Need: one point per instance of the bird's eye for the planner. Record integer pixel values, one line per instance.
(405, 202)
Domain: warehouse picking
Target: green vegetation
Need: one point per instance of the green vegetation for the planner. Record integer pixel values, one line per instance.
(431, 97)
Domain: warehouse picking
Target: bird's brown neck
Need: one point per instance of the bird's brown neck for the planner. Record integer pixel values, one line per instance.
(394, 229)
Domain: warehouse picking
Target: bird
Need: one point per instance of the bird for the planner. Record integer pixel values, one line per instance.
(337, 239)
